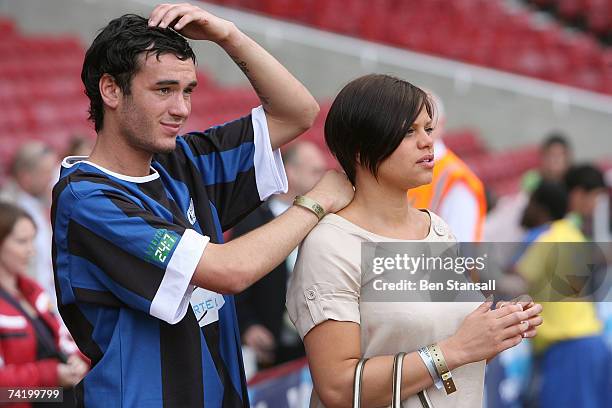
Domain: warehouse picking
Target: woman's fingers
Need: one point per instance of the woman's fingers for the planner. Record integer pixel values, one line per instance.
(512, 319)
(529, 333)
(502, 303)
(510, 342)
(505, 311)
(535, 321)
(524, 300)
(516, 330)
(534, 310)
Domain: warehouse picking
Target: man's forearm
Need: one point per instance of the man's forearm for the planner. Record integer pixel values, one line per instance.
(289, 107)
(232, 267)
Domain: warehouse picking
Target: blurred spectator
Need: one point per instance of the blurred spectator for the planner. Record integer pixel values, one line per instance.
(456, 194)
(575, 362)
(34, 170)
(555, 159)
(509, 378)
(33, 346)
(261, 308)
(547, 203)
(79, 146)
(503, 223)
(585, 185)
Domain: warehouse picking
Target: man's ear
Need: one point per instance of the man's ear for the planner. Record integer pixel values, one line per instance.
(110, 91)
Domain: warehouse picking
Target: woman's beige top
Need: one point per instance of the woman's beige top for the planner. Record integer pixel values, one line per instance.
(326, 283)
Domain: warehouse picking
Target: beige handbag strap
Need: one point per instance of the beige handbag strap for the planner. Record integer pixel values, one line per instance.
(398, 363)
(424, 398)
(357, 383)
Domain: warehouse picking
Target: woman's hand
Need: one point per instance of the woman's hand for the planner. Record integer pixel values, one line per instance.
(79, 367)
(67, 376)
(258, 337)
(192, 22)
(71, 373)
(485, 333)
(527, 303)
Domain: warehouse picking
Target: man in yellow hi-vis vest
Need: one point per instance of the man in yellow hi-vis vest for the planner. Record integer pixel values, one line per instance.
(456, 194)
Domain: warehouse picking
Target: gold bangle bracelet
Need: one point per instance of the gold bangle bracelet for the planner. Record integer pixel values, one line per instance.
(311, 205)
(442, 368)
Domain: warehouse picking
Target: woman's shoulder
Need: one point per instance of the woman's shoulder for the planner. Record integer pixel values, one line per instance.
(333, 236)
(333, 227)
(439, 229)
(29, 287)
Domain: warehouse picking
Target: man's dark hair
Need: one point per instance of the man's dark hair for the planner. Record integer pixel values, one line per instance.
(555, 138)
(116, 51)
(551, 197)
(585, 176)
(369, 119)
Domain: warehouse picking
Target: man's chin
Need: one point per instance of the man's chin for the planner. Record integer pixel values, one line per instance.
(165, 149)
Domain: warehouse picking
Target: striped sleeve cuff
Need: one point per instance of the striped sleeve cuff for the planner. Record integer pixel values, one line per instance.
(269, 170)
(172, 298)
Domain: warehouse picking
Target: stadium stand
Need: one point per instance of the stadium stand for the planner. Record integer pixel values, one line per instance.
(53, 111)
(33, 106)
(482, 32)
(594, 16)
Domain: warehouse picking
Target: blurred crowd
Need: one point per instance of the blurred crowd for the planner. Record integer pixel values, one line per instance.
(36, 349)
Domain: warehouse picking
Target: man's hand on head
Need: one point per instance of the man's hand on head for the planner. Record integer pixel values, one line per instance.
(192, 22)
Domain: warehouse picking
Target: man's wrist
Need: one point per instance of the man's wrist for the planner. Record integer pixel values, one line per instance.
(322, 199)
(233, 39)
(310, 205)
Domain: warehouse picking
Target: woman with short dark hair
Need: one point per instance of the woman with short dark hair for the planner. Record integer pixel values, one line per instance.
(379, 128)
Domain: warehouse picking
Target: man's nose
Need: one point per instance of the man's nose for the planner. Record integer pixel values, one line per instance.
(181, 107)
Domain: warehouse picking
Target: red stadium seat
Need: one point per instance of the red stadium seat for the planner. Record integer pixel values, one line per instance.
(465, 143)
(477, 31)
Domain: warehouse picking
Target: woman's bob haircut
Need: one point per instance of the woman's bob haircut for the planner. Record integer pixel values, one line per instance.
(369, 119)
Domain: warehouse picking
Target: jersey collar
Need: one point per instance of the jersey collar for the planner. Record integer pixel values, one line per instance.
(70, 161)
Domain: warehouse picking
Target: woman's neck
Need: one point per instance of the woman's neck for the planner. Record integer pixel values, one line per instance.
(382, 205)
(8, 281)
(385, 211)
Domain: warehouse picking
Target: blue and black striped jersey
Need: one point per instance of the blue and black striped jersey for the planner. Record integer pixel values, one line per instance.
(124, 252)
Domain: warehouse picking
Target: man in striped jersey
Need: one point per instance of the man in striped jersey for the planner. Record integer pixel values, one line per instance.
(143, 279)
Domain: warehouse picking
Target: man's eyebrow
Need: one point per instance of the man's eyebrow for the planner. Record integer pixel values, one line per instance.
(167, 82)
